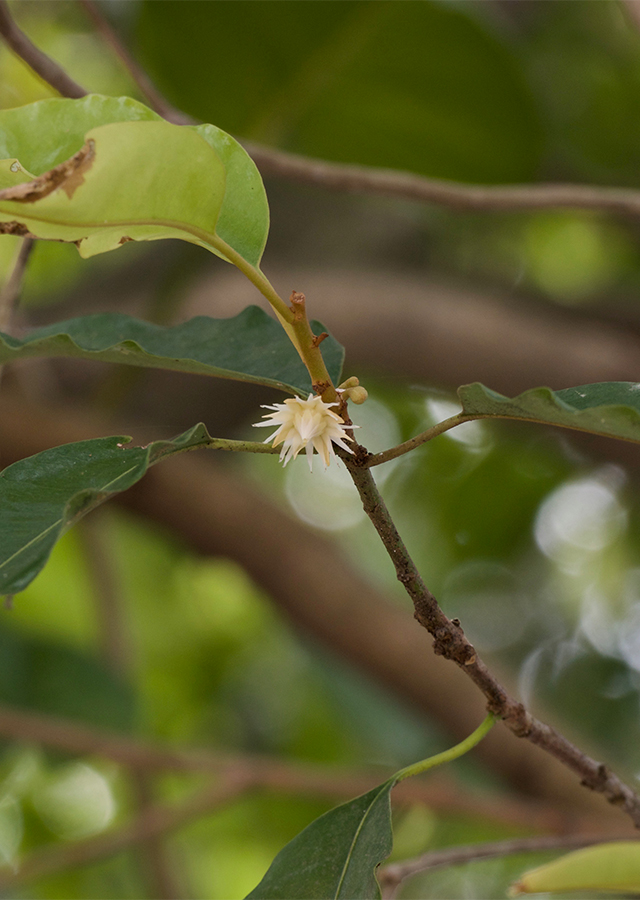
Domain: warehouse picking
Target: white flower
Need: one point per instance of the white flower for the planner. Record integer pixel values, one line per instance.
(306, 423)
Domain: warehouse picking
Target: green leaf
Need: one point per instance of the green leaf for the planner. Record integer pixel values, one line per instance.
(336, 856)
(248, 347)
(60, 126)
(243, 222)
(604, 867)
(417, 86)
(611, 408)
(43, 495)
(201, 186)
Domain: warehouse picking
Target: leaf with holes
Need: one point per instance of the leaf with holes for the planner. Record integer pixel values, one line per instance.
(336, 856)
(248, 347)
(43, 495)
(611, 408)
(100, 171)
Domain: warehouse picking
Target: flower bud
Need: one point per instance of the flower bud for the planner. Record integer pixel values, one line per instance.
(357, 394)
(349, 383)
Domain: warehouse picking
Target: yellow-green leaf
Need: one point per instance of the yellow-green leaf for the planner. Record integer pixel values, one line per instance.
(102, 170)
(603, 867)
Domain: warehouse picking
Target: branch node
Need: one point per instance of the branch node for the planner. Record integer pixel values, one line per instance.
(319, 338)
(321, 386)
(298, 306)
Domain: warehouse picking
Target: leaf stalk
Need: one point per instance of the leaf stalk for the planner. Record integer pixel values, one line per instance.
(292, 318)
(448, 755)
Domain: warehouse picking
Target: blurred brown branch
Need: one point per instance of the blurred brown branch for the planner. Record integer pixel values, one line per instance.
(43, 65)
(392, 183)
(10, 293)
(287, 777)
(431, 331)
(391, 876)
(155, 99)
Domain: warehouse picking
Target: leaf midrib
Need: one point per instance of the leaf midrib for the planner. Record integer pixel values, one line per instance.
(386, 786)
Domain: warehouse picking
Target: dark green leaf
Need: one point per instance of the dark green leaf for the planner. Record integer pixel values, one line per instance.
(43, 495)
(611, 408)
(202, 186)
(336, 856)
(249, 347)
(417, 86)
(53, 678)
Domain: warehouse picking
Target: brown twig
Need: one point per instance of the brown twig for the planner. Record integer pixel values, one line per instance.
(390, 877)
(46, 68)
(451, 643)
(150, 824)
(404, 185)
(155, 99)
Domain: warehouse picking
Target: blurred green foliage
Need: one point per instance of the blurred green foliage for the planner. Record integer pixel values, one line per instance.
(415, 86)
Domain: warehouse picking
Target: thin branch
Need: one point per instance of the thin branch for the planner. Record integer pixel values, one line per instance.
(394, 183)
(451, 642)
(150, 824)
(153, 96)
(113, 636)
(10, 293)
(164, 877)
(46, 68)
(390, 877)
(394, 452)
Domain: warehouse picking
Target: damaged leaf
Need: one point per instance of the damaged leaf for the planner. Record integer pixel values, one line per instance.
(102, 171)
